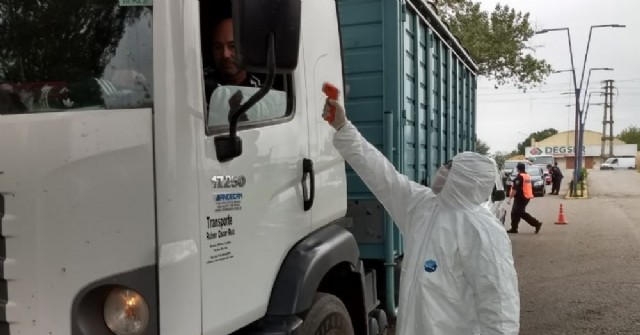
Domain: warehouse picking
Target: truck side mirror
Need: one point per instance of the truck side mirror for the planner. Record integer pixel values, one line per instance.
(255, 21)
(498, 195)
(267, 39)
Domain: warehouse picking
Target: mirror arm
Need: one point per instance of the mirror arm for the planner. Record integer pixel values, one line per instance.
(271, 75)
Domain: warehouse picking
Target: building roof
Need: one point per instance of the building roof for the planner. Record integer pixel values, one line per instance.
(567, 139)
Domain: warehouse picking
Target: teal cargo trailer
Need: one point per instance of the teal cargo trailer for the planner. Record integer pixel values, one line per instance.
(412, 93)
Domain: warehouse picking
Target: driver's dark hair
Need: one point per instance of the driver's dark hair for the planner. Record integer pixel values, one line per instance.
(212, 12)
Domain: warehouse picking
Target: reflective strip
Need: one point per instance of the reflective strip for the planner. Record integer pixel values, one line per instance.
(107, 86)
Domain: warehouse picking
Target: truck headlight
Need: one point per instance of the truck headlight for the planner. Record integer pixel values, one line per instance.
(126, 312)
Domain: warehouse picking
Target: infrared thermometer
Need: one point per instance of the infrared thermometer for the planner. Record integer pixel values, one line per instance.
(332, 93)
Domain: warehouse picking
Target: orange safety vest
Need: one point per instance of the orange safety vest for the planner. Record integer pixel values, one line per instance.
(527, 188)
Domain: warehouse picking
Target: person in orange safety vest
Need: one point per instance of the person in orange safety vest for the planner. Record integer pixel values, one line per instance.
(522, 191)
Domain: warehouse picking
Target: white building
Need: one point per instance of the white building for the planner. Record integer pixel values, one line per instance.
(561, 146)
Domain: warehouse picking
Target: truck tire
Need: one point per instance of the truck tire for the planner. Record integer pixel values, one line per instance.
(327, 316)
(381, 322)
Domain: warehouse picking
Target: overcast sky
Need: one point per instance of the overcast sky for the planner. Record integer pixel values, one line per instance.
(507, 116)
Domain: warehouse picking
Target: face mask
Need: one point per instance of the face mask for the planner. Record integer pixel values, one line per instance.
(440, 179)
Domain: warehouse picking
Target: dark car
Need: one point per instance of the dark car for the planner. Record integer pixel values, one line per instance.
(508, 168)
(537, 180)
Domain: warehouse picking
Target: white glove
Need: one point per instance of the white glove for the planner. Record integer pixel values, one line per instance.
(509, 201)
(339, 118)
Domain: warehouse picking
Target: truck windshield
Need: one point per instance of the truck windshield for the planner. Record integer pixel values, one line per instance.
(541, 160)
(73, 55)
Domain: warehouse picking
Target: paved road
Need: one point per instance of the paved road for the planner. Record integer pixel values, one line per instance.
(583, 277)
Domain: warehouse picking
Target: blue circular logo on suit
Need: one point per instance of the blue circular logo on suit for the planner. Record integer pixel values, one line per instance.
(430, 266)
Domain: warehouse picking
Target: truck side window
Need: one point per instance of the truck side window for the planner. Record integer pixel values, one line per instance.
(223, 77)
(97, 56)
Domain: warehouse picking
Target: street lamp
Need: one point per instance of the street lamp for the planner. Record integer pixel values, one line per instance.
(584, 101)
(578, 116)
(560, 71)
(584, 65)
(584, 119)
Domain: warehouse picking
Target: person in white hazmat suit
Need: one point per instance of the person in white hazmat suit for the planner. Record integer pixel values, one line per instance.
(458, 275)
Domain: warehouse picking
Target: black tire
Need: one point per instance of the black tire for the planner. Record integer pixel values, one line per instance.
(327, 316)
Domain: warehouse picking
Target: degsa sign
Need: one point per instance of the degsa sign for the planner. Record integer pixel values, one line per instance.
(564, 149)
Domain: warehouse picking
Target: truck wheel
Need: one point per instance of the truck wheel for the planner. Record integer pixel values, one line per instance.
(381, 322)
(327, 316)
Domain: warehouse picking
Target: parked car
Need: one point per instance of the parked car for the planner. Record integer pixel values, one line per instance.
(542, 161)
(510, 166)
(619, 163)
(537, 180)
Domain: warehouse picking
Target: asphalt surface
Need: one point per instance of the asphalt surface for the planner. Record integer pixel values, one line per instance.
(583, 277)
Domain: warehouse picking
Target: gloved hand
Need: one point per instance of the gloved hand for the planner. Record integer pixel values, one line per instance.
(509, 201)
(340, 119)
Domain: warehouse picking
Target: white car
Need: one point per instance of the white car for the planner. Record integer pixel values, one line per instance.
(619, 163)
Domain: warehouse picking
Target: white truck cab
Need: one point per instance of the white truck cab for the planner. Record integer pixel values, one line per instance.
(132, 203)
(143, 192)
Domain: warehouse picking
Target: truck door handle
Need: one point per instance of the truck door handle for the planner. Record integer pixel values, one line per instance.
(307, 169)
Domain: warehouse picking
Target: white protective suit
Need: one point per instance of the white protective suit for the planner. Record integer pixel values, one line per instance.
(458, 275)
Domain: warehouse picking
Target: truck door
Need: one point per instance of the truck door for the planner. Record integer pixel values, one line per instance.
(323, 64)
(252, 208)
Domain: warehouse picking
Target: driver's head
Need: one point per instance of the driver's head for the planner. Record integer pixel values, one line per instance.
(224, 53)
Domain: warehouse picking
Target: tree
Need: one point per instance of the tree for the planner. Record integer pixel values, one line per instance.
(86, 36)
(497, 41)
(501, 156)
(482, 147)
(630, 135)
(537, 136)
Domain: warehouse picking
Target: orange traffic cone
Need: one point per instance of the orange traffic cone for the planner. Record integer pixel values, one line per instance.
(561, 217)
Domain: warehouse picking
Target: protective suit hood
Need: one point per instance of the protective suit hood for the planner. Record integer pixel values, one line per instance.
(470, 181)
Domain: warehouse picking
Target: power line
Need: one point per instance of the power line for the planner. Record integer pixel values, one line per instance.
(631, 79)
(527, 99)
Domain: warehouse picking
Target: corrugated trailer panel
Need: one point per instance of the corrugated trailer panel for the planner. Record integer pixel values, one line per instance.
(412, 94)
(362, 44)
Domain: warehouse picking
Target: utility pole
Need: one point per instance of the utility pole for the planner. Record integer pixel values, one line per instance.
(607, 120)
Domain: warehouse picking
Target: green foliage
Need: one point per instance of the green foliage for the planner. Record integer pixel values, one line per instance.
(501, 157)
(86, 35)
(630, 135)
(537, 136)
(497, 41)
(482, 147)
(584, 173)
